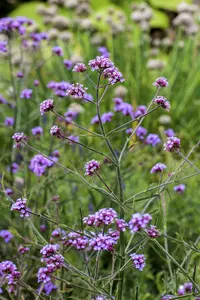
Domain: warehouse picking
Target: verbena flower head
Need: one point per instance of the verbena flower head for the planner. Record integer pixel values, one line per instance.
(140, 111)
(95, 120)
(58, 233)
(20, 74)
(23, 250)
(181, 290)
(51, 257)
(161, 82)
(121, 225)
(138, 261)
(104, 216)
(57, 50)
(91, 167)
(126, 109)
(8, 191)
(76, 240)
(152, 232)
(141, 132)
(104, 51)
(17, 24)
(3, 46)
(36, 82)
(55, 131)
(9, 121)
(172, 144)
(152, 139)
(70, 115)
(68, 64)
(117, 103)
(162, 101)
(19, 137)
(76, 91)
(44, 274)
(3, 100)
(100, 63)
(158, 168)
(129, 131)
(139, 221)
(26, 94)
(13, 168)
(180, 188)
(49, 287)
(6, 235)
(37, 130)
(46, 105)
(79, 68)
(102, 242)
(188, 287)
(169, 132)
(20, 206)
(88, 97)
(9, 275)
(113, 75)
(39, 164)
(107, 117)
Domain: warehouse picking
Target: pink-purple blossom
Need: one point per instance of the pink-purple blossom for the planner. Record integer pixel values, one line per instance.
(179, 188)
(76, 240)
(100, 63)
(68, 64)
(102, 242)
(46, 105)
(162, 101)
(113, 75)
(140, 111)
(172, 144)
(6, 235)
(26, 94)
(73, 139)
(158, 168)
(104, 216)
(38, 131)
(152, 231)
(9, 275)
(138, 261)
(23, 250)
(19, 137)
(161, 82)
(139, 221)
(76, 91)
(20, 206)
(91, 167)
(9, 121)
(79, 68)
(57, 50)
(55, 131)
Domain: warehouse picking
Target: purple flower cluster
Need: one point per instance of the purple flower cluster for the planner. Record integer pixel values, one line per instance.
(140, 111)
(55, 131)
(158, 168)
(18, 24)
(124, 107)
(76, 91)
(185, 288)
(138, 261)
(49, 287)
(36, 39)
(91, 167)
(38, 131)
(9, 275)
(152, 232)
(20, 206)
(102, 242)
(3, 46)
(73, 139)
(79, 68)
(104, 216)
(105, 118)
(20, 74)
(9, 121)
(169, 132)
(70, 115)
(53, 260)
(121, 225)
(76, 240)
(152, 139)
(172, 144)
(59, 88)
(68, 64)
(26, 94)
(141, 132)
(19, 137)
(180, 188)
(58, 233)
(105, 66)
(8, 191)
(162, 101)
(103, 51)
(57, 50)
(161, 82)
(139, 221)
(23, 250)
(46, 105)
(6, 235)
(39, 164)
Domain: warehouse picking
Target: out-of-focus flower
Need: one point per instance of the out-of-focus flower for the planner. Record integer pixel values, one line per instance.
(37, 131)
(3, 46)
(9, 121)
(8, 191)
(141, 132)
(6, 235)
(152, 139)
(36, 82)
(68, 64)
(158, 168)
(179, 188)
(23, 250)
(169, 132)
(20, 74)
(26, 94)
(57, 50)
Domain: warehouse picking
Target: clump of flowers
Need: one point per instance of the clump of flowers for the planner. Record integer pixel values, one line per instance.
(179, 188)
(20, 206)
(76, 90)
(9, 275)
(76, 240)
(138, 261)
(39, 164)
(172, 144)
(104, 216)
(26, 94)
(19, 137)
(102, 242)
(46, 105)
(139, 221)
(6, 235)
(158, 168)
(162, 101)
(161, 82)
(92, 167)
